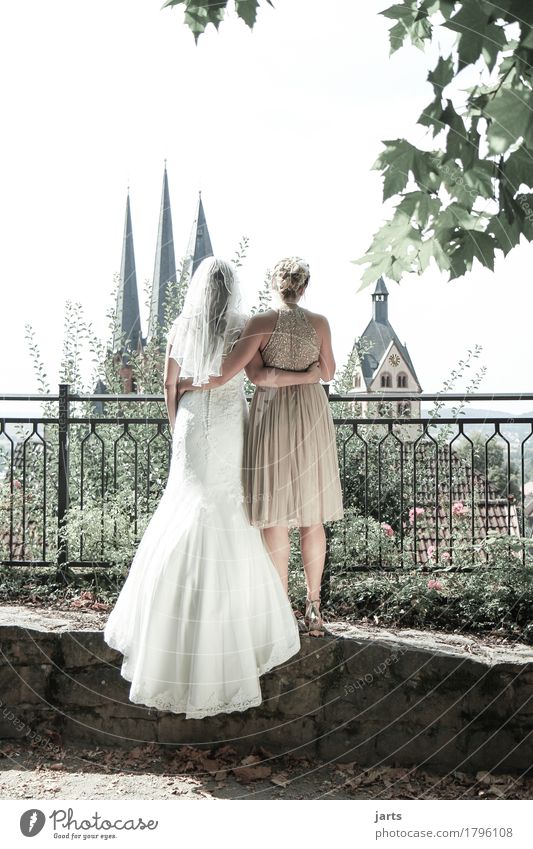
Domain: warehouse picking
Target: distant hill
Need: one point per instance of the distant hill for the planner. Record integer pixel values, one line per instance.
(477, 413)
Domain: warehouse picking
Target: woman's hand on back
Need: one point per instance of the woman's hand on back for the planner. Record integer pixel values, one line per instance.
(314, 372)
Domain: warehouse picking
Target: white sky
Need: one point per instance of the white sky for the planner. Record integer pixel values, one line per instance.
(279, 128)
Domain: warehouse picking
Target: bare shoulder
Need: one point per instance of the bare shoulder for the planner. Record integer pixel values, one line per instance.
(319, 322)
(262, 322)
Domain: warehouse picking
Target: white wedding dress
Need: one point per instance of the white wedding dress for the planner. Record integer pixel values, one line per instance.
(202, 613)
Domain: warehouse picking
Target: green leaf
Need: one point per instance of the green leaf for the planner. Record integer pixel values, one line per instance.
(200, 13)
(247, 10)
(469, 245)
(519, 10)
(506, 233)
(431, 116)
(438, 119)
(445, 7)
(379, 265)
(399, 159)
(470, 152)
(397, 36)
(420, 206)
(479, 179)
(397, 232)
(524, 203)
(454, 217)
(527, 41)
(456, 138)
(394, 249)
(432, 249)
(478, 36)
(511, 117)
(441, 75)
(401, 11)
(411, 23)
(518, 169)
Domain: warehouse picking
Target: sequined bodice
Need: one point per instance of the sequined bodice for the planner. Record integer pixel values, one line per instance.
(293, 344)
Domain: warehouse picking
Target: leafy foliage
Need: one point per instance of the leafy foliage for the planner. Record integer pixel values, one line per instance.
(463, 200)
(494, 600)
(200, 13)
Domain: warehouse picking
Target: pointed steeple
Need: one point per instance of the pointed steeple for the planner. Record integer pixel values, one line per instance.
(165, 263)
(379, 302)
(127, 315)
(200, 241)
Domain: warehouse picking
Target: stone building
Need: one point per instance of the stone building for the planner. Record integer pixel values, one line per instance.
(385, 366)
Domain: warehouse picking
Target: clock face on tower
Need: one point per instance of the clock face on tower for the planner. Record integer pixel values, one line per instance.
(394, 360)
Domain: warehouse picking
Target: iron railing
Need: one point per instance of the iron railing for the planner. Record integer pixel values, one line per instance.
(416, 490)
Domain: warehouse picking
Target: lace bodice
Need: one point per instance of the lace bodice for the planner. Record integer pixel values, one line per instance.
(207, 443)
(294, 343)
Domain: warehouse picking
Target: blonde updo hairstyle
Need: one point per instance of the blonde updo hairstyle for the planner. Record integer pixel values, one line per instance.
(289, 277)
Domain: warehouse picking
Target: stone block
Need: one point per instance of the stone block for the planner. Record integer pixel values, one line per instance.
(95, 685)
(24, 683)
(87, 648)
(95, 727)
(26, 646)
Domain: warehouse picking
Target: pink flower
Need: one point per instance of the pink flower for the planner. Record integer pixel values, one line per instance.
(17, 484)
(459, 509)
(434, 585)
(445, 555)
(387, 529)
(431, 550)
(419, 512)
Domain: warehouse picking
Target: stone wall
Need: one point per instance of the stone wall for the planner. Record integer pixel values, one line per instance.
(366, 695)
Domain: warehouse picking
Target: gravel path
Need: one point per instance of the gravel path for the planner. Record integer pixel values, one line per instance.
(156, 772)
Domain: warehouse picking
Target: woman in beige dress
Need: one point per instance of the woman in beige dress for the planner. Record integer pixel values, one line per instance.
(291, 468)
(292, 473)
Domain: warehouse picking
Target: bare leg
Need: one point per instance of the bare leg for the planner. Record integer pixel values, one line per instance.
(313, 543)
(278, 544)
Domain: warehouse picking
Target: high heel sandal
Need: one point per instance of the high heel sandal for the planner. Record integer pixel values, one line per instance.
(313, 618)
(302, 627)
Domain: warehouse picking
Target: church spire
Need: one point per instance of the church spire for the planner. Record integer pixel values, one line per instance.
(200, 241)
(165, 263)
(127, 330)
(379, 302)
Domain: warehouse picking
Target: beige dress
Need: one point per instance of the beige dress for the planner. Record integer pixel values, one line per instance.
(291, 467)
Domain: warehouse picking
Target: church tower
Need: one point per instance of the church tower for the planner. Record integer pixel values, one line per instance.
(127, 337)
(165, 263)
(199, 243)
(386, 366)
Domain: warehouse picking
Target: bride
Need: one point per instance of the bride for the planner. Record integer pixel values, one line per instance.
(203, 613)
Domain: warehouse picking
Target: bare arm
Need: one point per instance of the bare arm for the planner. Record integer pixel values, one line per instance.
(262, 375)
(171, 378)
(243, 352)
(326, 357)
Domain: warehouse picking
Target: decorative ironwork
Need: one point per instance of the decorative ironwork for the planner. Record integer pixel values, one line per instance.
(401, 474)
